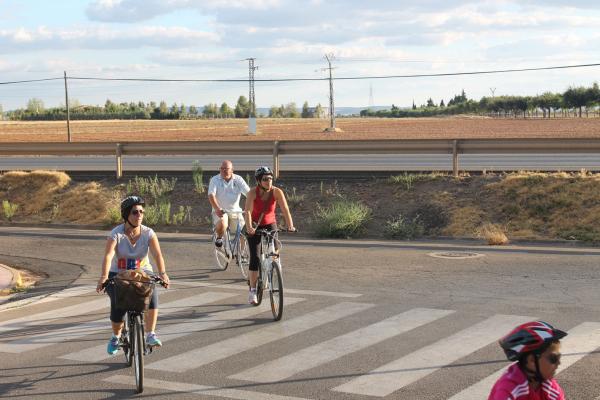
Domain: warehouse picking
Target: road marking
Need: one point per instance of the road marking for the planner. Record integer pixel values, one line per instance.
(287, 290)
(74, 291)
(337, 347)
(582, 340)
(32, 342)
(195, 324)
(408, 369)
(44, 318)
(200, 390)
(226, 348)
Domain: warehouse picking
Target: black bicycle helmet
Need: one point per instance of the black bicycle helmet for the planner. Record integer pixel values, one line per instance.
(261, 171)
(128, 203)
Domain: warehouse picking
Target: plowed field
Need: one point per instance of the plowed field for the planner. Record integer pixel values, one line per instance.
(300, 129)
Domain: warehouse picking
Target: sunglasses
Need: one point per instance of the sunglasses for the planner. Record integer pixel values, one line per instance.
(136, 212)
(267, 179)
(553, 358)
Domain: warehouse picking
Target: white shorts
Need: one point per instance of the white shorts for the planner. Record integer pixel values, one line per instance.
(231, 219)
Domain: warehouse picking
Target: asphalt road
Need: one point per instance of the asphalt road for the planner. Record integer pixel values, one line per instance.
(362, 162)
(363, 320)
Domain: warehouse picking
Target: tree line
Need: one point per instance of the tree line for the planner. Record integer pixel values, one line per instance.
(36, 111)
(580, 100)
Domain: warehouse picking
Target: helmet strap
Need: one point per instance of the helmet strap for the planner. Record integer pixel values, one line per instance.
(534, 376)
(130, 224)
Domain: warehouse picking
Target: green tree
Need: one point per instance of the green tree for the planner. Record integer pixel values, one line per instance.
(319, 113)
(430, 103)
(576, 97)
(291, 111)
(242, 108)
(226, 111)
(35, 106)
(193, 110)
(442, 103)
(306, 111)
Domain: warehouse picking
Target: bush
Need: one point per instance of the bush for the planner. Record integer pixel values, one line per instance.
(157, 188)
(408, 180)
(198, 177)
(342, 219)
(493, 234)
(404, 228)
(294, 198)
(9, 209)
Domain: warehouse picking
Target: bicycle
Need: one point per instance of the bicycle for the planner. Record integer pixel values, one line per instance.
(235, 248)
(133, 338)
(270, 275)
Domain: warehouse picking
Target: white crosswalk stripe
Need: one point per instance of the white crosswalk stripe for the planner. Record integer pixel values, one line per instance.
(33, 342)
(226, 348)
(200, 389)
(198, 324)
(44, 318)
(406, 370)
(581, 341)
(337, 347)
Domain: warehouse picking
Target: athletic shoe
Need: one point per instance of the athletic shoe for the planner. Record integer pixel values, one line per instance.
(252, 298)
(219, 242)
(113, 345)
(153, 340)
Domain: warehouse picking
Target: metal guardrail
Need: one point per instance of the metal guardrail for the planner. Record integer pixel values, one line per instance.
(277, 148)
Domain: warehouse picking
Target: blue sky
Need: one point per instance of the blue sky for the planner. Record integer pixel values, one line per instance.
(193, 39)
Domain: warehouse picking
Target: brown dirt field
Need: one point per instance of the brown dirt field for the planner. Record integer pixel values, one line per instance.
(300, 129)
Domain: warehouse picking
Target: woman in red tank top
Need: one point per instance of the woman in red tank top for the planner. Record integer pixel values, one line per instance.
(260, 213)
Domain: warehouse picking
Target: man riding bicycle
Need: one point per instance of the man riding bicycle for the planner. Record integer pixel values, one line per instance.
(224, 192)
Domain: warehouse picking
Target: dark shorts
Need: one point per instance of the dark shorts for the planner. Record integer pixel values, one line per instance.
(117, 315)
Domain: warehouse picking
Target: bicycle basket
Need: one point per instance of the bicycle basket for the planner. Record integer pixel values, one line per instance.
(133, 290)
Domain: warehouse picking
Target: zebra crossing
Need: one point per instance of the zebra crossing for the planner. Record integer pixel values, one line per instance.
(26, 334)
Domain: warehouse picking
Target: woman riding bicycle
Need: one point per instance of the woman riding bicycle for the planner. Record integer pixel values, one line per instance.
(260, 214)
(127, 248)
(536, 348)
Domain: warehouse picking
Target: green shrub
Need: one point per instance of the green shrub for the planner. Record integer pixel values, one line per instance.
(114, 215)
(9, 209)
(157, 188)
(179, 216)
(408, 180)
(342, 219)
(294, 199)
(159, 213)
(198, 177)
(404, 228)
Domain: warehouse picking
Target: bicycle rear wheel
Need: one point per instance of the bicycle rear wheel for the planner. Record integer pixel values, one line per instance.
(221, 258)
(138, 354)
(276, 291)
(243, 255)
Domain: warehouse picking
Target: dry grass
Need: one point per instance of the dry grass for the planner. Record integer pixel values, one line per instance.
(86, 203)
(492, 234)
(464, 221)
(32, 191)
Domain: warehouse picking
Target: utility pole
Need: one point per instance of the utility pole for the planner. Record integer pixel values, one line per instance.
(329, 57)
(371, 101)
(68, 113)
(493, 90)
(251, 99)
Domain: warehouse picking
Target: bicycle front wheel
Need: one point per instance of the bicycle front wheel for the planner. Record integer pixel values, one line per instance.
(276, 291)
(221, 258)
(243, 255)
(138, 354)
(127, 340)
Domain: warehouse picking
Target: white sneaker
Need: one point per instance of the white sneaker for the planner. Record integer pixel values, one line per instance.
(252, 298)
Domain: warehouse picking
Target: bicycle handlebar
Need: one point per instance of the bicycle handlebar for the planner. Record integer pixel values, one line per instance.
(155, 279)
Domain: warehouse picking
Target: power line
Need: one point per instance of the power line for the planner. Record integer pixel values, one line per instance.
(498, 71)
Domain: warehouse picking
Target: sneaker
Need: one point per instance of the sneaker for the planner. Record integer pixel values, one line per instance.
(219, 242)
(113, 345)
(252, 298)
(153, 340)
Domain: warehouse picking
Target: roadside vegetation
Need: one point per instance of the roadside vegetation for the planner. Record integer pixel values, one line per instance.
(496, 208)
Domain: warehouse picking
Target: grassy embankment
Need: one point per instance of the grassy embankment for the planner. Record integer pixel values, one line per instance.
(494, 207)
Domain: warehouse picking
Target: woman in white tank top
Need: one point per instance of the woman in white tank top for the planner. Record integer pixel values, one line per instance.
(127, 248)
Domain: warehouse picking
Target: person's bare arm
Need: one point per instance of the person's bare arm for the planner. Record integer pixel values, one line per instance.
(109, 253)
(285, 210)
(248, 212)
(158, 258)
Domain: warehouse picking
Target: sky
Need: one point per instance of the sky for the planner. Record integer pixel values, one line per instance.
(211, 39)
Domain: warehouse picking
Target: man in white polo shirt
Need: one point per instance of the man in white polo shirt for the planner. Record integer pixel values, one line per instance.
(224, 192)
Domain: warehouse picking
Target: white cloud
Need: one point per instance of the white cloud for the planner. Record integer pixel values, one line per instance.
(101, 37)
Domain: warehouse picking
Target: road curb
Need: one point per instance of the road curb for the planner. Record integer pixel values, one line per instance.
(10, 283)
